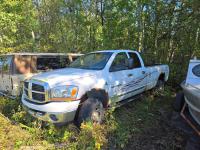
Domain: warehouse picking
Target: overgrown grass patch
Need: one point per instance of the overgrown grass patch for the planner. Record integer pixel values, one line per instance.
(119, 126)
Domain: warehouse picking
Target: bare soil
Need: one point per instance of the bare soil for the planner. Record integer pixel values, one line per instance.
(168, 131)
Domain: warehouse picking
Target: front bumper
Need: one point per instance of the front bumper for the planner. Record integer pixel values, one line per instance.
(55, 112)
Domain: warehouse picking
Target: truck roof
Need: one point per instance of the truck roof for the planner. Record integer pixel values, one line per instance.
(43, 54)
(120, 50)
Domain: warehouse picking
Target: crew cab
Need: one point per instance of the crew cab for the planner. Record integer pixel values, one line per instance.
(16, 67)
(92, 83)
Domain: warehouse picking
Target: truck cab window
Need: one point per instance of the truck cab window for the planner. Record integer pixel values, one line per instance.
(136, 60)
(6, 64)
(92, 61)
(64, 61)
(196, 70)
(1, 63)
(119, 63)
(74, 58)
(22, 64)
(50, 63)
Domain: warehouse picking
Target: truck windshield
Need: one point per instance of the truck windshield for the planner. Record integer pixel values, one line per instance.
(93, 61)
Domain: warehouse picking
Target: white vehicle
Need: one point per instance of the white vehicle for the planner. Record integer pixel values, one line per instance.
(93, 82)
(17, 67)
(190, 95)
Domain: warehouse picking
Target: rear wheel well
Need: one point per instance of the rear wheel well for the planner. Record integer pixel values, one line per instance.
(162, 77)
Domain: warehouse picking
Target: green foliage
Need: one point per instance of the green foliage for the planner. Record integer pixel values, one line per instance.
(164, 31)
(92, 136)
(9, 106)
(54, 134)
(120, 125)
(168, 31)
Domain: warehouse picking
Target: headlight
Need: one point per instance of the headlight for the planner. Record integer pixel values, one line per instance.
(64, 92)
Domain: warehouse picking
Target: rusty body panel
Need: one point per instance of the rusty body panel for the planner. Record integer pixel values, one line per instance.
(17, 67)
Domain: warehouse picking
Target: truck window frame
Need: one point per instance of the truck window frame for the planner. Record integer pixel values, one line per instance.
(8, 59)
(1, 65)
(196, 70)
(62, 62)
(139, 64)
(17, 62)
(75, 64)
(126, 68)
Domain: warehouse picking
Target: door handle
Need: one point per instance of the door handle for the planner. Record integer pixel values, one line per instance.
(143, 72)
(130, 75)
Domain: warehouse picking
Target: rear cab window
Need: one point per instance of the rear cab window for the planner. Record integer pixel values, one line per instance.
(136, 60)
(196, 70)
(1, 63)
(6, 64)
(22, 64)
(45, 63)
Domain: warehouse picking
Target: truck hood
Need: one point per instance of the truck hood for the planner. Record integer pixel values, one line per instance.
(64, 76)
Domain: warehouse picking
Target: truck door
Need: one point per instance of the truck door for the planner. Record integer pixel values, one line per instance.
(6, 75)
(118, 77)
(125, 82)
(137, 76)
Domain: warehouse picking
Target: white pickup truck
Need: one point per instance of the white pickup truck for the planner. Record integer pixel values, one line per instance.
(91, 84)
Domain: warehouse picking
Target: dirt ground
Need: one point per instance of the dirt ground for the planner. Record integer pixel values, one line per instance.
(161, 136)
(169, 131)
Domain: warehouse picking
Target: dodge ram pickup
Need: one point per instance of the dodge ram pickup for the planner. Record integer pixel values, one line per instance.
(91, 84)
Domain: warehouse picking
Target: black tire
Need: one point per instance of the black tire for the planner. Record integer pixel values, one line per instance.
(159, 89)
(160, 85)
(179, 102)
(91, 110)
(58, 125)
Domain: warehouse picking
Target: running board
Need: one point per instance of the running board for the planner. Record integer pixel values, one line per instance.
(123, 102)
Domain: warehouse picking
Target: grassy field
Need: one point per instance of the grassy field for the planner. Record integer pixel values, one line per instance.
(140, 124)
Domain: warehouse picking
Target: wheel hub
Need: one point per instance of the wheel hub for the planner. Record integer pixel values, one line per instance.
(97, 114)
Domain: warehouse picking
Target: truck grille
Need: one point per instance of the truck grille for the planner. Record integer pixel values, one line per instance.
(36, 91)
(38, 96)
(36, 87)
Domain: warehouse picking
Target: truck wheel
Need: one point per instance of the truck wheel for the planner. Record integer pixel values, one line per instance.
(160, 86)
(91, 110)
(58, 125)
(179, 102)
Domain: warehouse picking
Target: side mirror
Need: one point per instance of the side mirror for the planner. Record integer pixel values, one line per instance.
(130, 63)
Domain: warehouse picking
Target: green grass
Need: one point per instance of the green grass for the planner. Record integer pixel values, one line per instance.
(120, 126)
(136, 116)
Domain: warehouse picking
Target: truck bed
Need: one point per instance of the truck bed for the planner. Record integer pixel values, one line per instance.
(152, 65)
